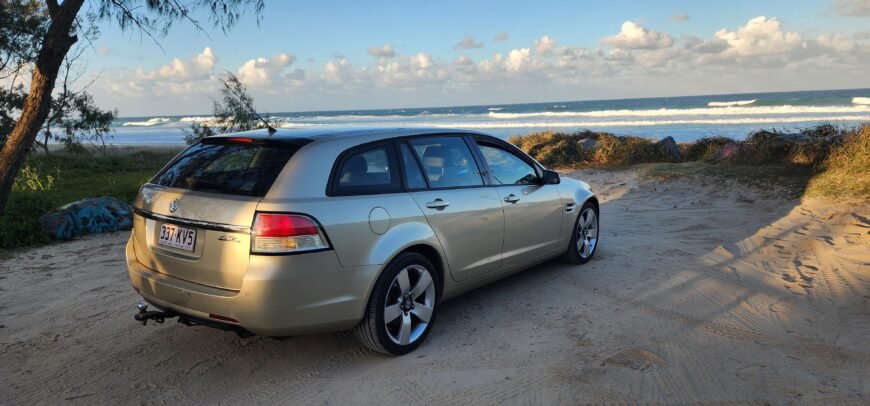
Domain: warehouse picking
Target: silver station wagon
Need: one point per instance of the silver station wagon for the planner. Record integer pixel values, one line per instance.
(303, 231)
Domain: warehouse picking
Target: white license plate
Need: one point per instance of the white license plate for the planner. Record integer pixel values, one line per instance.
(177, 237)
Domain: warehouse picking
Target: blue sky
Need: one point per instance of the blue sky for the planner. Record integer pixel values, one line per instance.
(315, 55)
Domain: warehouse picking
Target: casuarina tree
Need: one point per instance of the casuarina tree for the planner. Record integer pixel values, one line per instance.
(236, 112)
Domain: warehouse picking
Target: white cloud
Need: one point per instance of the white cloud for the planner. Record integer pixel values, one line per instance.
(760, 36)
(261, 72)
(468, 43)
(183, 69)
(415, 71)
(502, 36)
(851, 8)
(837, 42)
(518, 60)
(635, 36)
(761, 51)
(340, 71)
(385, 51)
(545, 45)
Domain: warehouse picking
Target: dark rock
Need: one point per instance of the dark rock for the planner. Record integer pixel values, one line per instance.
(87, 216)
(669, 148)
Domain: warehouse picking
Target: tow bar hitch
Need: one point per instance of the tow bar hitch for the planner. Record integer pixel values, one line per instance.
(158, 316)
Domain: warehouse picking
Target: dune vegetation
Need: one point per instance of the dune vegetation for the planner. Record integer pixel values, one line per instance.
(836, 160)
(845, 171)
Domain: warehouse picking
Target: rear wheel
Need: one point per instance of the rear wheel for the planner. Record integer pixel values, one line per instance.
(401, 308)
(584, 240)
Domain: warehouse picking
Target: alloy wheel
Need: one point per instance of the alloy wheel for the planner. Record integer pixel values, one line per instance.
(587, 233)
(409, 304)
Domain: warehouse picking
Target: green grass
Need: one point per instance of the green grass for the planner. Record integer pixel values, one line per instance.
(845, 172)
(50, 181)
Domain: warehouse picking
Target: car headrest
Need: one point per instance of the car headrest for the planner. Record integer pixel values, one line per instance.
(435, 156)
(355, 169)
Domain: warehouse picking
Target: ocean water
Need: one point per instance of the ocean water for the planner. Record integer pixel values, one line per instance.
(685, 118)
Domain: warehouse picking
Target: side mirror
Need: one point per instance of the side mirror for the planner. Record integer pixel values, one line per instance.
(551, 177)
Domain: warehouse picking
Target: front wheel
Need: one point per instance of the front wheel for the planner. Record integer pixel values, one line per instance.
(401, 308)
(584, 239)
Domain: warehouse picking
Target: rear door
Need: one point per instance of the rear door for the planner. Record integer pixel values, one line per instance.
(532, 210)
(465, 214)
(193, 219)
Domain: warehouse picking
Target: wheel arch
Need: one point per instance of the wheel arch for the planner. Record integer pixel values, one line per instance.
(426, 249)
(434, 256)
(594, 200)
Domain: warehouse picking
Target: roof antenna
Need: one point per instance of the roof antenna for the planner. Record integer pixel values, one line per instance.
(251, 109)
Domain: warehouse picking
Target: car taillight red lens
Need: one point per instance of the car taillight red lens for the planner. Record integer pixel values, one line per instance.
(286, 233)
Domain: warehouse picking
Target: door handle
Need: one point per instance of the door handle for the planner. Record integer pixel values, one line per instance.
(512, 199)
(437, 204)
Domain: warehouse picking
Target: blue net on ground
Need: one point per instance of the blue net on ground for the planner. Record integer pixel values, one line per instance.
(87, 216)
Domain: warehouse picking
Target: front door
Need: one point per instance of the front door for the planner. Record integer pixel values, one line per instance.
(466, 215)
(532, 210)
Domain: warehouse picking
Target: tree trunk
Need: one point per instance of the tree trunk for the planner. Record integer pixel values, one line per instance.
(55, 46)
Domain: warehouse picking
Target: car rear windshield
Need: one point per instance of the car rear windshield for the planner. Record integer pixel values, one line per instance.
(235, 167)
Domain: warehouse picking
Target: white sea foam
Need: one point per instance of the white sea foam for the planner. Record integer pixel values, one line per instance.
(295, 125)
(861, 100)
(149, 123)
(731, 103)
(495, 108)
(196, 119)
(647, 123)
(718, 111)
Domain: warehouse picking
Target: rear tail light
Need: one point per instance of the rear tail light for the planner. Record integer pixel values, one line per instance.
(276, 233)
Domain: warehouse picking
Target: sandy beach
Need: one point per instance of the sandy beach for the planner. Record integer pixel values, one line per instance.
(703, 290)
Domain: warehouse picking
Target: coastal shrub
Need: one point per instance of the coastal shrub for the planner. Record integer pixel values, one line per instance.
(845, 170)
(627, 150)
(704, 148)
(563, 150)
(552, 149)
(808, 154)
(765, 146)
(808, 147)
(823, 130)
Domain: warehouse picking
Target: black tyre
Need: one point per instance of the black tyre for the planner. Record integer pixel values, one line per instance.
(401, 309)
(584, 239)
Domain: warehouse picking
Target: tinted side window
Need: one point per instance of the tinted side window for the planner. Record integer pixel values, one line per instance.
(368, 172)
(507, 168)
(227, 168)
(447, 162)
(413, 175)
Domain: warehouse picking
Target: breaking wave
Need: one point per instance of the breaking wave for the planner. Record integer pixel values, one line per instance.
(648, 123)
(149, 123)
(861, 101)
(196, 119)
(718, 111)
(732, 103)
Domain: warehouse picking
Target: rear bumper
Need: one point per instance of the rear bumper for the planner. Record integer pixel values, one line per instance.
(280, 295)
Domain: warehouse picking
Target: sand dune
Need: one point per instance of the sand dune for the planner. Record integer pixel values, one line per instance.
(703, 291)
